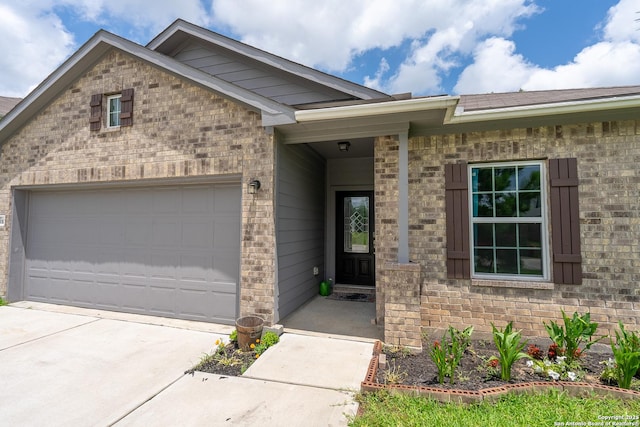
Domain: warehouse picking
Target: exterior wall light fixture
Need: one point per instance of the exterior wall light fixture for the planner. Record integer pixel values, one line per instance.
(253, 186)
(344, 146)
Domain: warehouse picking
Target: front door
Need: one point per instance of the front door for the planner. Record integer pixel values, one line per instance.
(355, 259)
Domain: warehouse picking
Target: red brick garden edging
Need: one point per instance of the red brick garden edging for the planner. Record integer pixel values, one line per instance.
(490, 394)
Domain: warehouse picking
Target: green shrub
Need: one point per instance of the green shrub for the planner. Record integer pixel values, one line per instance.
(268, 339)
(626, 353)
(576, 330)
(510, 345)
(447, 355)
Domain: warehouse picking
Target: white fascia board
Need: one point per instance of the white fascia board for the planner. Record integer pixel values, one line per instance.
(540, 110)
(380, 108)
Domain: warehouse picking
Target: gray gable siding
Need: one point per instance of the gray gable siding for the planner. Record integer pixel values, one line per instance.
(248, 74)
(300, 225)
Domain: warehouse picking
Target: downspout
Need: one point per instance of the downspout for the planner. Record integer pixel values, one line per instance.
(403, 198)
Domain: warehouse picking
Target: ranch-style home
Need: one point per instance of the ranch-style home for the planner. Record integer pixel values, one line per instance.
(201, 178)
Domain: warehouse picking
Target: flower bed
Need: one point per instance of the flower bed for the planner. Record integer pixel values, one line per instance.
(477, 387)
(227, 359)
(459, 368)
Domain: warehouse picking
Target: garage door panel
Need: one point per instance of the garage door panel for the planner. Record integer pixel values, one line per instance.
(197, 304)
(133, 297)
(102, 202)
(110, 232)
(223, 235)
(135, 263)
(162, 300)
(226, 201)
(164, 265)
(49, 233)
(166, 232)
(138, 232)
(193, 268)
(166, 201)
(39, 287)
(107, 295)
(161, 251)
(80, 291)
(137, 201)
(224, 267)
(194, 203)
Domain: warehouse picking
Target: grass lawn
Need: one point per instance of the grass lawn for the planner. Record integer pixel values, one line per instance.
(551, 409)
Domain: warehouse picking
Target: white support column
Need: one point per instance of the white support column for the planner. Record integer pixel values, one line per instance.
(403, 198)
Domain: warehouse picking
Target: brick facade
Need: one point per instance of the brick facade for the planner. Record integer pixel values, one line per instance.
(609, 188)
(179, 131)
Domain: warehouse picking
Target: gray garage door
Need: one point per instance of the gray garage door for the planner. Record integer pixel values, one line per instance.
(167, 251)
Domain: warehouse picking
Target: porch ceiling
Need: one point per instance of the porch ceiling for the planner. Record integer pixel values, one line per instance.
(360, 127)
(360, 147)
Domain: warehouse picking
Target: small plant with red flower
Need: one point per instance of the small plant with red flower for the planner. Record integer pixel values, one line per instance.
(534, 352)
(447, 354)
(576, 331)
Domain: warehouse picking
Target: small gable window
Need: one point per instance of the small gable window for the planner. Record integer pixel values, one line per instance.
(114, 103)
(119, 110)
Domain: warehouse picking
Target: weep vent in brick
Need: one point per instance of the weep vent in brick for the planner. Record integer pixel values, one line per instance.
(565, 221)
(457, 211)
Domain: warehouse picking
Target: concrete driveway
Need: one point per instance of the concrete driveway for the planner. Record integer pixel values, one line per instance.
(75, 367)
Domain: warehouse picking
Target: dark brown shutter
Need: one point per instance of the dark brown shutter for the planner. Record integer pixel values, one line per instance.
(457, 212)
(565, 221)
(95, 120)
(126, 108)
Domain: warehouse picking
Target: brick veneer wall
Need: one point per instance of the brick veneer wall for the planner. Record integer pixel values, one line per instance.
(608, 156)
(179, 131)
(386, 215)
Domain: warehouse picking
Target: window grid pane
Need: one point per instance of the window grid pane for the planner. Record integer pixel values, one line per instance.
(507, 220)
(114, 111)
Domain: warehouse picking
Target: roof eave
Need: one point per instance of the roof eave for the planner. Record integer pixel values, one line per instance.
(542, 110)
(381, 108)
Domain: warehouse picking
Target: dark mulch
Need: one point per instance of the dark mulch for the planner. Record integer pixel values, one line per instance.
(210, 365)
(472, 372)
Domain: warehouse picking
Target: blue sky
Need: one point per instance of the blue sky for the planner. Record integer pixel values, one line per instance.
(425, 47)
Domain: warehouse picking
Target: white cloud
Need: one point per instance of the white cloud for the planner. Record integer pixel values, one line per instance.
(329, 34)
(34, 40)
(496, 68)
(422, 40)
(623, 22)
(32, 45)
(326, 34)
(140, 19)
(375, 82)
(603, 64)
(614, 61)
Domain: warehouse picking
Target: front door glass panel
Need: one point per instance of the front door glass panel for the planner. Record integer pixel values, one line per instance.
(356, 224)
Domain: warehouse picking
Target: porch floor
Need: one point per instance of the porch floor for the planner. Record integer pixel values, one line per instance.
(333, 317)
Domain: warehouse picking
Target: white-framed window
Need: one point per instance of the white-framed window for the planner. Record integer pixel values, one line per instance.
(508, 215)
(114, 109)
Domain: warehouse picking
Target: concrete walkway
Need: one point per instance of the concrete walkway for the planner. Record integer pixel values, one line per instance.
(69, 366)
